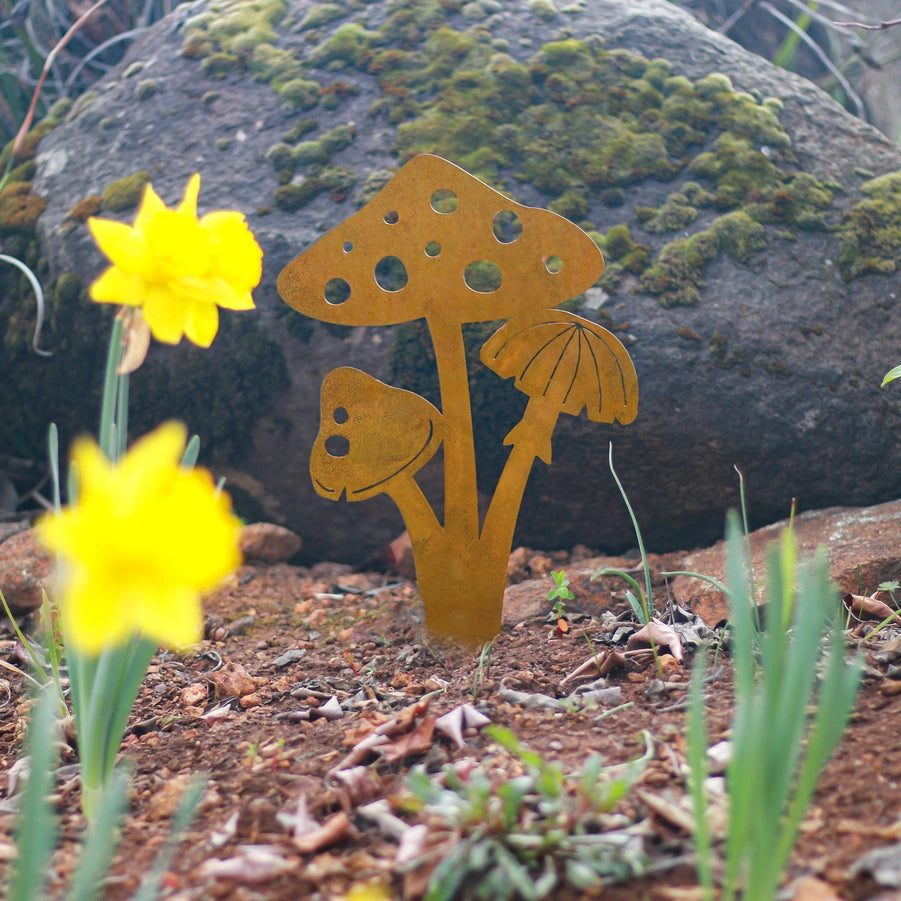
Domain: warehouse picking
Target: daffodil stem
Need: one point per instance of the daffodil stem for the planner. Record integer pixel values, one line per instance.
(102, 706)
(104, 686)
(112, 408)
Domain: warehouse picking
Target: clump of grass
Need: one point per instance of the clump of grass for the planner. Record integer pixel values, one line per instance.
(794, 691)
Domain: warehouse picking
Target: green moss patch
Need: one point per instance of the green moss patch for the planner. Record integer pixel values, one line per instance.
(870, 232)
(19, 209)
(125, 193)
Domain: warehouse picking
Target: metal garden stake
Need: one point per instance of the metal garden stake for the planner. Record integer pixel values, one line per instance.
(438, 244)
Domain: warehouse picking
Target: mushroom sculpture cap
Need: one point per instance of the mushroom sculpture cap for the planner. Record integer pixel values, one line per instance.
(567, 362)
(371, 436)
(437, 242)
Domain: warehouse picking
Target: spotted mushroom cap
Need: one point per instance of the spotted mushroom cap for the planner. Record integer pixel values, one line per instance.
(437, 242)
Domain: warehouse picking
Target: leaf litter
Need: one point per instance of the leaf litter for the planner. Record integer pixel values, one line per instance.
(309, 790)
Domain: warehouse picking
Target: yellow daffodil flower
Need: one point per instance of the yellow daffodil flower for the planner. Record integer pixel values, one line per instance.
(144, 540)
(177, 268)
(368, 892)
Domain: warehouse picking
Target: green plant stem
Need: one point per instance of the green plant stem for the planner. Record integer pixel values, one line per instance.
(644, 557)
(104, 686)
(115, 678)
(112, 383)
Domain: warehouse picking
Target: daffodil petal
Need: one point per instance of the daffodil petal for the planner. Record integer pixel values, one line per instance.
(165, 314)
(151, 206)
(202, 323)
(188, 206)
(120, 242)
(177, 246)
(150, 459)
(235, 253)
(92, 620)
(116, 285)
(173, 618)
(234, 300)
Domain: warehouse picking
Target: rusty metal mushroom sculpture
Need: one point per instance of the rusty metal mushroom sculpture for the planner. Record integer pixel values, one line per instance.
(438, 244)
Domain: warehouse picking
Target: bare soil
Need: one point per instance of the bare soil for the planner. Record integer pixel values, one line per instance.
(358, 638)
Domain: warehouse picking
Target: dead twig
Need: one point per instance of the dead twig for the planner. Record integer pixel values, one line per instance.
(48, 62)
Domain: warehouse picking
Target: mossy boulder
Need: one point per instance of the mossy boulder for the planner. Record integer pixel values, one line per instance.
(752, 268)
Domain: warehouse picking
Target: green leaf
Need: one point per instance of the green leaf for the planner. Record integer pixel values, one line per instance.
(101, 840)
(891, 375)
(36, 827)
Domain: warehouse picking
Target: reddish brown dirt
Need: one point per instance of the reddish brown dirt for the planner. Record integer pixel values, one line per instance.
(260, 760)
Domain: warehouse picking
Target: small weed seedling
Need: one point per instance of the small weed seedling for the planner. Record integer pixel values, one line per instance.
(641, 601)
(499, 838)
(559, 594)
(482, 667)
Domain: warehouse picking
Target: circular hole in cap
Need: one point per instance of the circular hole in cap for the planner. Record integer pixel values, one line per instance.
(553, 264)
(337, 446)
(444, 201)
(336, 291)
(483, 276)
(432, 249)
(348, 246)
(507, 227)
(340, 415)
(390, 274)
(391, 217)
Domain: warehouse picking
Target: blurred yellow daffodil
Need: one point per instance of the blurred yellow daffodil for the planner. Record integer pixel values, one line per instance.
(144, 540)
(179, 269)
(370, 891)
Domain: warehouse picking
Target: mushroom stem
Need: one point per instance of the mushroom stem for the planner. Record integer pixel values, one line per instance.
(530, 438)
(419, 517)
(461, 506)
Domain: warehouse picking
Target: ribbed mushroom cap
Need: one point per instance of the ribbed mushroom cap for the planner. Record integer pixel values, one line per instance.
(568, 362)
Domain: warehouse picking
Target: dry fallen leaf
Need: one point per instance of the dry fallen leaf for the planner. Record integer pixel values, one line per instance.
(868, 607)
(252, 864)
(330, 832)
(455, 722)
(419, 741)
(597, 665)
(812, 889)
(660, 634)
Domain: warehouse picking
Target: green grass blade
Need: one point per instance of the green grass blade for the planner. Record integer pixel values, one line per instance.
(649, 596)
(53, 454)
(187, 807)
(101, 840)
(36, 827)
(697, 765)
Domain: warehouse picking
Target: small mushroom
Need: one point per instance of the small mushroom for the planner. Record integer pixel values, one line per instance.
(438, 243)
(373, 438)
(565, 364)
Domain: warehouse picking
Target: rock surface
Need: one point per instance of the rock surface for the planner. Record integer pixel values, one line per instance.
(266, 542)
(24, 571)
(774, 367)
(863, 546)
